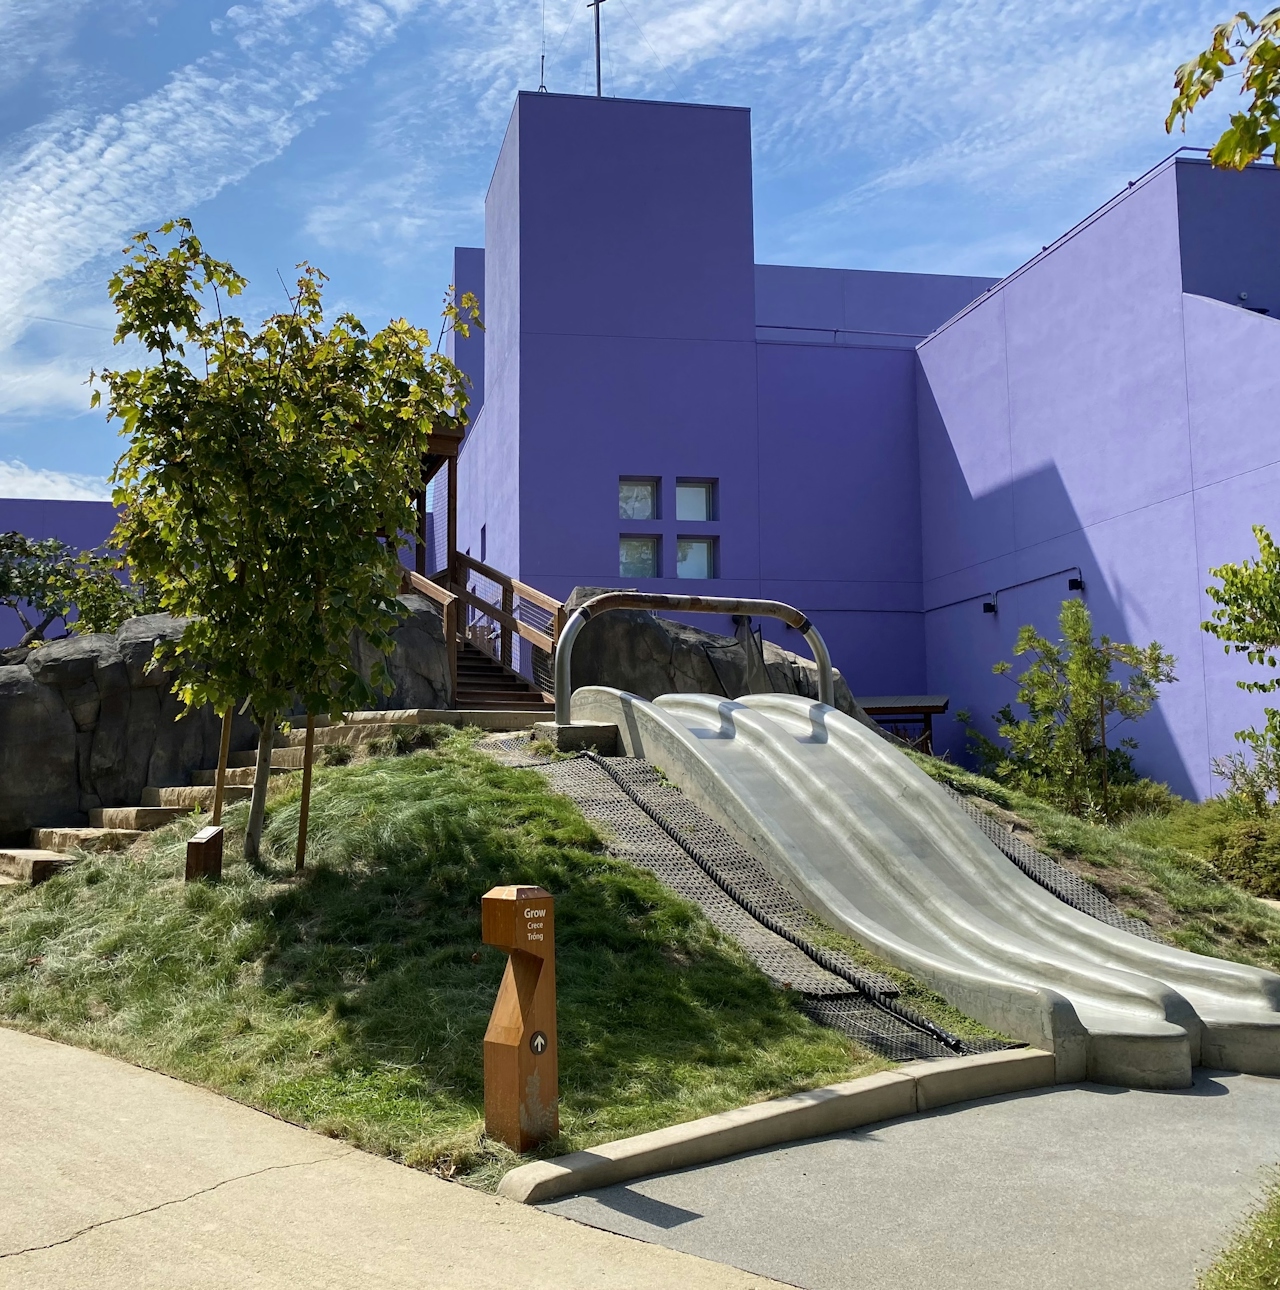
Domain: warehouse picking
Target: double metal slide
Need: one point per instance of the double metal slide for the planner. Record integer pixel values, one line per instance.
(869, 842)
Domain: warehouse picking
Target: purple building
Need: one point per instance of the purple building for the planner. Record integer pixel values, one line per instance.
(923, 463)
(82, 525)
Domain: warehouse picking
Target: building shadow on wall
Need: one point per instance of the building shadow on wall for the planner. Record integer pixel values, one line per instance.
(1027, 584)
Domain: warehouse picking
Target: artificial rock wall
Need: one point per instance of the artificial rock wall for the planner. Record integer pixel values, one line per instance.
(88, 722)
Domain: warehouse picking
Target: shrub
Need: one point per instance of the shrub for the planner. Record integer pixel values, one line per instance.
(1248, 855)
(1061, 749)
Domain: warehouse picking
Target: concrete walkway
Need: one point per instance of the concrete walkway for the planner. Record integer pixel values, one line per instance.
(116, 1177)
(1075, 1188)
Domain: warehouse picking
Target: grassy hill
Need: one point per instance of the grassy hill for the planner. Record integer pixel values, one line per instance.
(355, 1000)
(1156, 867)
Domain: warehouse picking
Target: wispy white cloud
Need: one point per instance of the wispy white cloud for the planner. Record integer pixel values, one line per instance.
(19, 480)
(71, 191)
(876, 99)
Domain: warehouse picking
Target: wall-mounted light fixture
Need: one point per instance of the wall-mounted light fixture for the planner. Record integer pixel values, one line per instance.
(1075, 584)
(988, 606)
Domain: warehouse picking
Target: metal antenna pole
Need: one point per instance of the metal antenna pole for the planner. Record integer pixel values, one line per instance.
(542, 62)
(595, 4)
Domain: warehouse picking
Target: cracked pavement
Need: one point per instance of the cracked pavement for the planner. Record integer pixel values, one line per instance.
(118, 1177)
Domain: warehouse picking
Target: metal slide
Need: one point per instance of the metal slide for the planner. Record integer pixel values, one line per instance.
(869, 842)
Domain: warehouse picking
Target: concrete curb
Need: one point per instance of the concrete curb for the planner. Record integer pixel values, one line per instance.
(917, 1086)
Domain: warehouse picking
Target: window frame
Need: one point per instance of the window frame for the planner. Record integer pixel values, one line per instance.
(711, 491)
(712, 542)
(655, 539)
(655, 483)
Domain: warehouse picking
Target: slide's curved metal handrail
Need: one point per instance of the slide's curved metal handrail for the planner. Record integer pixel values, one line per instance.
(685, 605)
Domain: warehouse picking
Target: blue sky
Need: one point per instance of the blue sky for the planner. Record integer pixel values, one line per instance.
(360, 135)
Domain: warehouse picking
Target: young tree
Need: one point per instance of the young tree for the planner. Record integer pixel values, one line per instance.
(46, 578)
(1253, 47)
(1065, 749)
(1247, 621)
(268, 480)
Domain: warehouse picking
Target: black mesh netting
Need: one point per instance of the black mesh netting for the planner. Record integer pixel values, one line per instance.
(654, 826)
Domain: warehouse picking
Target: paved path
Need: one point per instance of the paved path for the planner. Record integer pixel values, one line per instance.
(115, 1177)
(1077, 1188)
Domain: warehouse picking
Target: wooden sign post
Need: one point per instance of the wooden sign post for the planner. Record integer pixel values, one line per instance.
(521, 1069)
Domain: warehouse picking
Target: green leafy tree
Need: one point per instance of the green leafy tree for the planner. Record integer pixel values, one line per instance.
(1065, 748)
(1247, 621)
(1253, 48)
(268, 480)
(44, 581)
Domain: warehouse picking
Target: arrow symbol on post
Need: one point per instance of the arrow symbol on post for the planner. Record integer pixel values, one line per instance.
(538, 1043)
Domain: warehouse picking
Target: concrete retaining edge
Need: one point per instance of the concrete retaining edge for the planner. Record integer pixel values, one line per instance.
(917, 1086)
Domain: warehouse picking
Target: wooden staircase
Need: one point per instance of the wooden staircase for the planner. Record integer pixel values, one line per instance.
(484, 684)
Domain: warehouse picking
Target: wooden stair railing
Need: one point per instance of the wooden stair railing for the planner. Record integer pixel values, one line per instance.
(448, 602)
(452, 586)
(504, 614)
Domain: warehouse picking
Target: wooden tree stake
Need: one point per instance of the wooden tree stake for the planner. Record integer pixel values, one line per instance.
(309, 747)
(224, 752)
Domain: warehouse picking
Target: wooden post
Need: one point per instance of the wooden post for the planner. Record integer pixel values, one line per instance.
(224, 752)
(508, 607)
(451, 526)
(521, 1066)
(451, 643)
(301, 857)
(204, 854)
(420, 546)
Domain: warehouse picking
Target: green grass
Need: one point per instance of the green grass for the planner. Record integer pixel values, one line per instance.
(354, 1000)
(1252, 1260)
(1154, 867)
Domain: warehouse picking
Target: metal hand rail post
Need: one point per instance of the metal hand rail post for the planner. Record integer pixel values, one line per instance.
(685, 605)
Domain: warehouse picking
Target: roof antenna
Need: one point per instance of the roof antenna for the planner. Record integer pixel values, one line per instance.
(542, 74)
(595, 4)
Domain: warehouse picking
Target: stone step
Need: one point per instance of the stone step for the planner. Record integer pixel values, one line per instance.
(348, 733)
(135, 817)
(31, 864)
(237, 776)
(281, 759)
(64, 840)
(361, 727)
(190, 798)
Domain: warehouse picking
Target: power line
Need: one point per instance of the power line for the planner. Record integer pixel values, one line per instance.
(636, 24)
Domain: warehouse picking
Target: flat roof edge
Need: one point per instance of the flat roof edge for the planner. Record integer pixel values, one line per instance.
(1088, 221)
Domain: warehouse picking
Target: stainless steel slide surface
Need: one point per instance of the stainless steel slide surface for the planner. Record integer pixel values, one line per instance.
(868, 841)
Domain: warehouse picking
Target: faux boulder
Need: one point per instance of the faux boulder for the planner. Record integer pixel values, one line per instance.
(637, 651)
(89, 721)
(419, 665)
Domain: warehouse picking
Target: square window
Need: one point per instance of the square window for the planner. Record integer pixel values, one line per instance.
(695, 557)
(637, 499)
(638, 557)
(695, 499)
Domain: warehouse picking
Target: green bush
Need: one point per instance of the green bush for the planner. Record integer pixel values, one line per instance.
(1248, 854)
(1065, 749)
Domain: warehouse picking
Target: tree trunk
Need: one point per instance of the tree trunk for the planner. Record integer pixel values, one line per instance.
(261, 777)
(300, 858)
(1102, 733)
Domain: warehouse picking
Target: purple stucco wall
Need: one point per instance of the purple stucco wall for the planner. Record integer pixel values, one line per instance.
(82, 525)
(1086, 412)
(649, 344)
